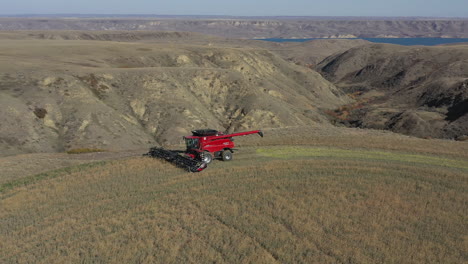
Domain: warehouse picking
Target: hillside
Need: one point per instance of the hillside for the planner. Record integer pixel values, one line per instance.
(58, 95)
(305, 53)
(421, 91)
(329, 196)
(257, 27)
(110, 35)
(310, 53)
(118, 90)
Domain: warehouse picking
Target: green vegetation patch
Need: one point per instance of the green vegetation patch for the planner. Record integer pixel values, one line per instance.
(292, 152)
(84, 150)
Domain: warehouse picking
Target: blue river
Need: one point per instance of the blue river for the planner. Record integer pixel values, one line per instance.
(398, 41)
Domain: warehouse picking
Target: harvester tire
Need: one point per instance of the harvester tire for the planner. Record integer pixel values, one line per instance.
(226, 155)
(207, 157)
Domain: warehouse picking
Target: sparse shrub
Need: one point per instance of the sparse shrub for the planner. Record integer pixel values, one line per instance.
(345, 112)
(103, 87)
(91, 80)
(355, 95)
(40, 112)
(125, 66)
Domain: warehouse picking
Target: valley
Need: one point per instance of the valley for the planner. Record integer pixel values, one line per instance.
(364, 158)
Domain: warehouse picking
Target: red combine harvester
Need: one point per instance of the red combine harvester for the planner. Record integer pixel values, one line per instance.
(202, 147)
(207, 144)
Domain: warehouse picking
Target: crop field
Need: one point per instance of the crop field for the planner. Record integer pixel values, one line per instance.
(271, 204)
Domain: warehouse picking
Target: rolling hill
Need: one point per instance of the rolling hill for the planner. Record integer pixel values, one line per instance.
(58, 95)
(249, 28)
(306, 53)
(420, 91)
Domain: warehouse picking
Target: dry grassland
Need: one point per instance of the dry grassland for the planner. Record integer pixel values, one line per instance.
(271, 204)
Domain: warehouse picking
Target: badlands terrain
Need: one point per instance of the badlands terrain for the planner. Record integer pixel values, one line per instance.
(255, 27)
(364, 159)
(60, 92)
(420, 91)
(63, 90)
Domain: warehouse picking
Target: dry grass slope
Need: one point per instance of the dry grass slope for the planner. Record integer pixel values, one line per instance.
(274, 204)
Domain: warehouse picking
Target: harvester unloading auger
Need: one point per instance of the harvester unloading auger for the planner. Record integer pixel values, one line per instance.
(202, 147)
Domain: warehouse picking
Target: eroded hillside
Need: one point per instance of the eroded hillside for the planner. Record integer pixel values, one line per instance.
(271, 27)
(58, 95)
(421, 91)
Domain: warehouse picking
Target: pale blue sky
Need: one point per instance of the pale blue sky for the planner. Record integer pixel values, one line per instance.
(438, 8)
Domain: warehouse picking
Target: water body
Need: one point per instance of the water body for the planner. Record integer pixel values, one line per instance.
(398, 41)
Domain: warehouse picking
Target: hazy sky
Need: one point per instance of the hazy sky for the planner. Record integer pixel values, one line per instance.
(438, 8)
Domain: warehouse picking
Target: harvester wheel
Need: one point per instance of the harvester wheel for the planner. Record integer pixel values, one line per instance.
(226, 155)
(206, 157)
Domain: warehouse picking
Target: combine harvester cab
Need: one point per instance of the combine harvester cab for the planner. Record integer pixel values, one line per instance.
(207, 144)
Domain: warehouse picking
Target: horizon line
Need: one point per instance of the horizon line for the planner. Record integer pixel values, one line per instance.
(90, 15)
